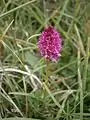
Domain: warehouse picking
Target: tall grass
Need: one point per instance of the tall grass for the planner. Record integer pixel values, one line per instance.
(23, 93)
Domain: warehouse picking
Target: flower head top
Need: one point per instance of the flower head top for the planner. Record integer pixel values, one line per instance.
(50, 43)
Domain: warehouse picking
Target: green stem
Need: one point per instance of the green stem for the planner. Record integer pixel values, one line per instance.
(46, 77)
(47, 72)
(86, 64)
(80, 84)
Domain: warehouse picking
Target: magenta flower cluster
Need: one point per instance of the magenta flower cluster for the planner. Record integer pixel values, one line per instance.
(50, 43)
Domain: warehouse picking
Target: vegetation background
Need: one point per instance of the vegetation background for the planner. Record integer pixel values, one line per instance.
(22, 71)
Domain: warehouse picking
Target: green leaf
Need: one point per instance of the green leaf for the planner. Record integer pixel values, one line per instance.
(31, 59)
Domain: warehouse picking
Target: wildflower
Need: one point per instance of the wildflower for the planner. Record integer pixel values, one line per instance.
(50, 43)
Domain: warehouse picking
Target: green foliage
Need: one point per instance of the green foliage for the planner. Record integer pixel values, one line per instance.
(24, 95)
